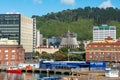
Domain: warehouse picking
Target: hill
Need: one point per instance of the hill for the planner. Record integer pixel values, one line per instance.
(78, 20)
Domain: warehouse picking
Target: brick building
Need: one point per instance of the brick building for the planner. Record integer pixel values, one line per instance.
(107, 50)
(11, 54)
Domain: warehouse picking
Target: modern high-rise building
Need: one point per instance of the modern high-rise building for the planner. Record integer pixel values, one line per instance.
(103, 31)
(18, 27)
(34, 34)
(39, 38)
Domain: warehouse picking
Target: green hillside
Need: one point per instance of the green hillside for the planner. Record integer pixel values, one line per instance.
(78, 20)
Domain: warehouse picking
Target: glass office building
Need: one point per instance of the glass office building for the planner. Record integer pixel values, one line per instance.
(18, 27)
(10, 26)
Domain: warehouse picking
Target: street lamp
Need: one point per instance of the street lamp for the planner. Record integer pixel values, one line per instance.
(68, 43)
(68, 53)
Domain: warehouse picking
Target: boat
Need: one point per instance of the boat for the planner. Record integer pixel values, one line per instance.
(13, 69)
(111, 72)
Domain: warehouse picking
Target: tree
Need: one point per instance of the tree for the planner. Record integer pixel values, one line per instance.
(64, 49)
(81, 46)
(37, 53)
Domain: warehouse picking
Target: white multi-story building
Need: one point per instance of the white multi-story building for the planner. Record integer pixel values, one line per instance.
(103, 31)
(39, 38)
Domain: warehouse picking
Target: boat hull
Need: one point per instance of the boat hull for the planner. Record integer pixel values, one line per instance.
(14, 71)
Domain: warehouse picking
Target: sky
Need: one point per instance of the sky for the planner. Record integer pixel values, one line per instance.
(42, 7)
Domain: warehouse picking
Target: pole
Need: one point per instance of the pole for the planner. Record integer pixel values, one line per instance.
(68, 54)
(68, 43)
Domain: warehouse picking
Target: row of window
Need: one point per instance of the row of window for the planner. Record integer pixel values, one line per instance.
(12, 57)
(7, 51)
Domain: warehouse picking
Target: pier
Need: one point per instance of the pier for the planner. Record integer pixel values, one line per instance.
(58, 71)
(37, 70)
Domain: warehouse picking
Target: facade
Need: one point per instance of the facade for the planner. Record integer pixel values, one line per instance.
(103, 31)
(39, 39)
(11, 53)
(47, 49)
(34, 34)
(69, 40)
(19, 27)
(53, 41)
(107, 50)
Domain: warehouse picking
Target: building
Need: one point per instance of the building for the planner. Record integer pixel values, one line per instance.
(34, 34)
(72, 65)
(39, 39)
(69, 40)
(15, 26)
(53, 41)
(11, 53)
(103, 31)
(107, 50)
(47, 49)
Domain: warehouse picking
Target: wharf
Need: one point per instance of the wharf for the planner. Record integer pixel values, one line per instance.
(57, 71)
(72, 74)
(60, 71)
(89, 75)
(37, 70)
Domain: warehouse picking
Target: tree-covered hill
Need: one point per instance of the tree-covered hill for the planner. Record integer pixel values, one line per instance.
(79, 20)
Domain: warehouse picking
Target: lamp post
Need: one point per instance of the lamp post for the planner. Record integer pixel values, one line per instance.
(68, 53)
(68, 43)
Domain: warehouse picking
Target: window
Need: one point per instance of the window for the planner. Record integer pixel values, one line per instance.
(13, 56)
(6, 50)
(90, 54)
(13, 50)
(6, 56)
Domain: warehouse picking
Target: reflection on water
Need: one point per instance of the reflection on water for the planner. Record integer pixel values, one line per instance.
(27, 76)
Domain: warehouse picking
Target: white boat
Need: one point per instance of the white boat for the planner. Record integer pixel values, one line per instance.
(111, 73)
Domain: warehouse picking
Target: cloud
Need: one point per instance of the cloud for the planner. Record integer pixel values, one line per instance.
(38, 1)
(69, 2)
(106, 4)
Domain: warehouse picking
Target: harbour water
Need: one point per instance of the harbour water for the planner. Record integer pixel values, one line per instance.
(29, 76)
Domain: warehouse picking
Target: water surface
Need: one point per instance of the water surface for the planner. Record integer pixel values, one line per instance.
(29, 76)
